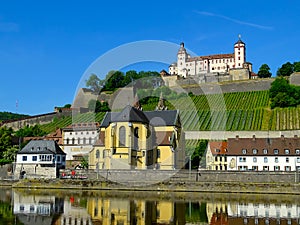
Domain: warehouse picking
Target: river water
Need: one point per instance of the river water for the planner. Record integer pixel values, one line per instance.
(73, 207)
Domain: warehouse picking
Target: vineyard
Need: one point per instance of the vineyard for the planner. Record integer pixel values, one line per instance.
(68, 120)
(230, 111)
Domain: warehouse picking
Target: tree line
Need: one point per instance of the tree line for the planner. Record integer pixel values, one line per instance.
(285, 70)
(10, 141)
(118, 79)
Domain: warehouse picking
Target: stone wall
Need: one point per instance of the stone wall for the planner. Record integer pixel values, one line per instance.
(33, 171)
(223, 135)
(142, 177)
(33, 120)
(190, 85)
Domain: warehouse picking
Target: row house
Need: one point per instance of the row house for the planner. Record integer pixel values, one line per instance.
(254, 154)
(216, 155)
(78, 139)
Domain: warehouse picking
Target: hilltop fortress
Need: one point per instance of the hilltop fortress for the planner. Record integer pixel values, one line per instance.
(212, 68)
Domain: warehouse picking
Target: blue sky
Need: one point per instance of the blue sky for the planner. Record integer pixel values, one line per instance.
(46, 46)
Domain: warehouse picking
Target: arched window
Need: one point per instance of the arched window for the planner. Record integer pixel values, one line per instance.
(67, 141)
(84, 140)
(78, 141)
(73, 141)
(122, 136)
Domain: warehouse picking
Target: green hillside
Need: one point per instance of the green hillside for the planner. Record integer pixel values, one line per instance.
(229, 111)
(11, 116)
(68, 120)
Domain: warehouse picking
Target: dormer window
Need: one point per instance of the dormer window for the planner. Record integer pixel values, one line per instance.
(254, 151)
(244, 151)
(286, 151)
(265, 151)
(297, 151)
(276, 151)
(217, 150)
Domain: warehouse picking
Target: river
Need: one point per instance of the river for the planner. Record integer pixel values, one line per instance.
(71, 207)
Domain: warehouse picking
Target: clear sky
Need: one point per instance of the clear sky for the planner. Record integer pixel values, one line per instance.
(45, 46)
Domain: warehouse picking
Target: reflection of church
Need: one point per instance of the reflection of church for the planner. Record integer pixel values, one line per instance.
(123, 212)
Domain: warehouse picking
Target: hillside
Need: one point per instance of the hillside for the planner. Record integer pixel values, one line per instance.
(11, 116)
(245, 111)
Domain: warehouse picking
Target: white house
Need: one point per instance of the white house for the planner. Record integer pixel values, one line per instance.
(264, 154)
(78, 139)
(40, 158)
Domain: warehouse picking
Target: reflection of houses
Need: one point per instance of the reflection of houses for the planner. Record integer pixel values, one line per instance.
(40, 158)
(75, 212)
(78, 140)
(216, 158)
(139, 139)
(36, 210)
(263, 213)
(253, 213)
(117, 211)
(264, 154)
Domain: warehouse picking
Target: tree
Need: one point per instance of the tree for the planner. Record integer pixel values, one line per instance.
(282, 94)
(264, 71)
(286, 69)
(67, 106)
(114, 80)
(96, 106)
(31, 131)
(296, 66)
(5, 144)
(94, 83)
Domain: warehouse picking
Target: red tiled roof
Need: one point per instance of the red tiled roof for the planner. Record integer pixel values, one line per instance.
(216, 56)
(236, 145)
(218, 147)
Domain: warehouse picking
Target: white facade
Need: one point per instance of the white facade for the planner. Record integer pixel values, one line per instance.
(265, 210)
(79, 139)
(219, 63)
(264, 163)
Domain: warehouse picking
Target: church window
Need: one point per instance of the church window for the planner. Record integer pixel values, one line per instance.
(122, 136)
(136, 132)
(239, 58)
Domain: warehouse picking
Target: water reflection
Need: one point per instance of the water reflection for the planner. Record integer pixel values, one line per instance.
(121, 208)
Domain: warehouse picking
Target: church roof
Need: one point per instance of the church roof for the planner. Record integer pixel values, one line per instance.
(42, 147)
(162, 118)
(131, 114)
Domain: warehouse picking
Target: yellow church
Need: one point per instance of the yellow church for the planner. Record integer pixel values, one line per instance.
(136, 139)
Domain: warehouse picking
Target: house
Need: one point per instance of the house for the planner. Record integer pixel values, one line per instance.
(40, 158)
(136, 139)
(216, 155)
(78, 140)
(264, 154)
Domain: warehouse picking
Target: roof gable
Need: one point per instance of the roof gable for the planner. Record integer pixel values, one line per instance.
(154, 118)
(42, 147)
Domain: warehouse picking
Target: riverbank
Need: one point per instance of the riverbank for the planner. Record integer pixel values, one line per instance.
(192, 187)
